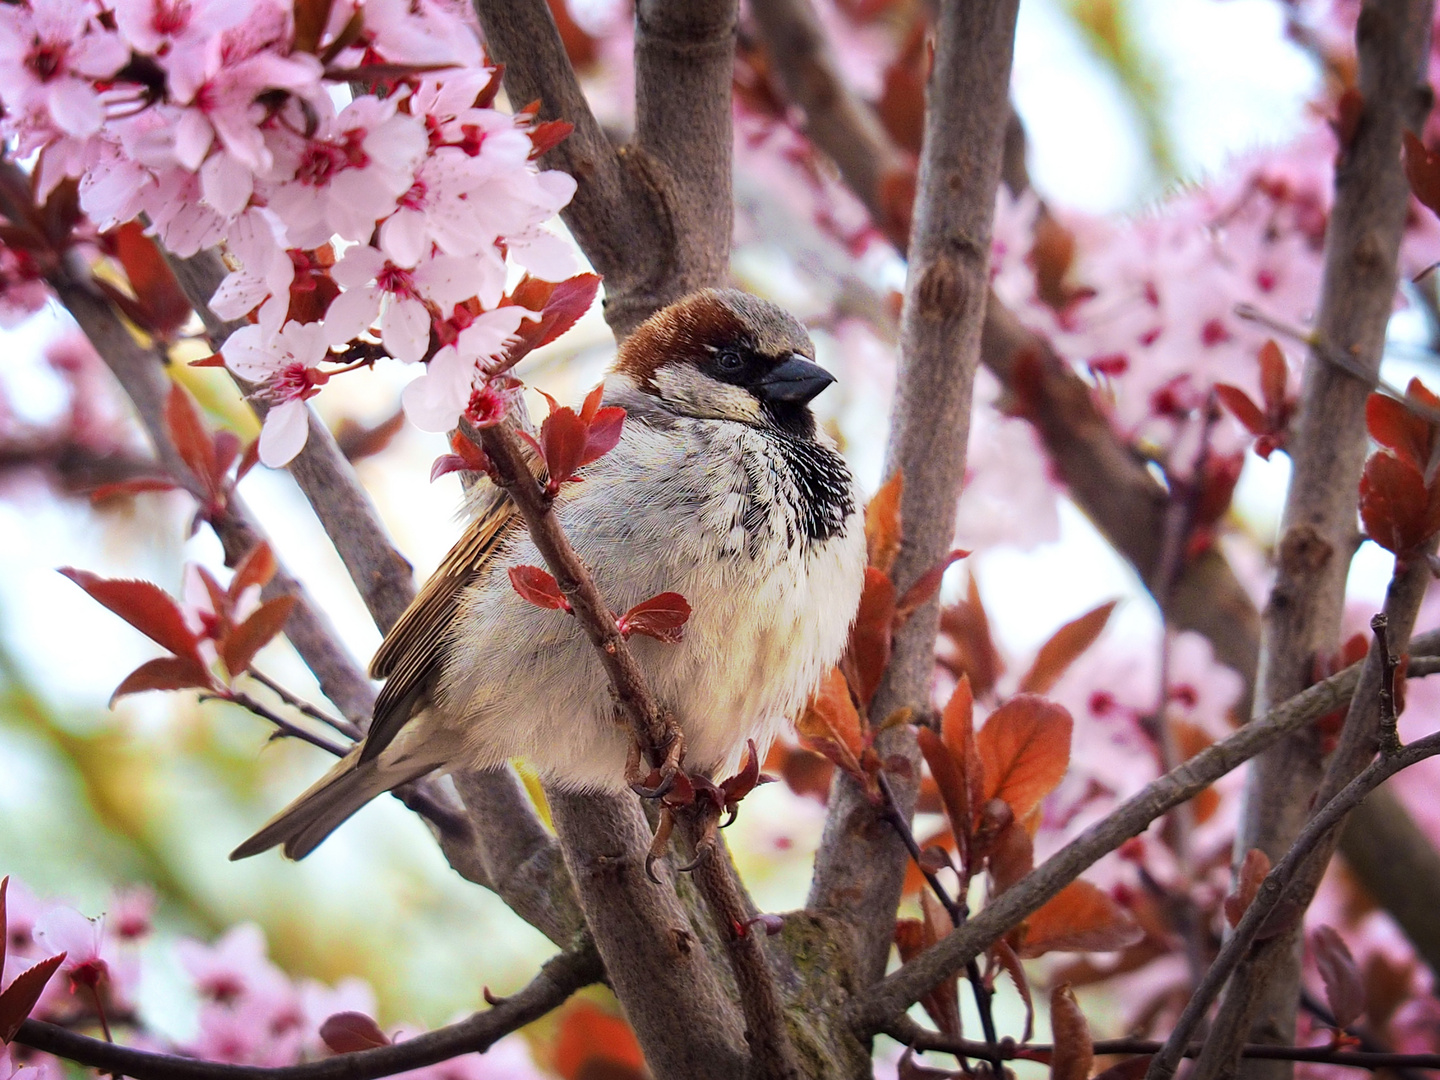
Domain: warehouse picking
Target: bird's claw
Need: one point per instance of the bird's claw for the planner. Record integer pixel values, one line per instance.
(661, 840)
(659, 782)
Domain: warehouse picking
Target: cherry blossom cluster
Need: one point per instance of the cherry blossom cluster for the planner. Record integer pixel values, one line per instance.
(249, 1011)
(346, 155)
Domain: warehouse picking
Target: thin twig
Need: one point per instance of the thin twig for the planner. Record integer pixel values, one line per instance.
(956, 908)
(1389, 735)
(560, 977)
(344, 727)
(283, 727)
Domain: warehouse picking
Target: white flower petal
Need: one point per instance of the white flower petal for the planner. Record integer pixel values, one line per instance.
(247, 353)
(435, 400)
(286, 427)
(351, 314)
(405, 329)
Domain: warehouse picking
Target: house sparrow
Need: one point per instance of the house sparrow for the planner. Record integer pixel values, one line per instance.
(722, 488)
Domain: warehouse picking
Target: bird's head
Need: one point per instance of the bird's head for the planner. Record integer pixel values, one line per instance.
(726, 355)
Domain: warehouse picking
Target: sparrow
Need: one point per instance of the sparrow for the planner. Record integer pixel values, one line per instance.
(722, 488)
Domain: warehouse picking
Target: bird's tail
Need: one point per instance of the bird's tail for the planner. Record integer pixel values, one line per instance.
(321, 809)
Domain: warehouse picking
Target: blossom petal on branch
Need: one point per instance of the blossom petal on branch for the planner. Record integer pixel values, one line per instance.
(283, 436)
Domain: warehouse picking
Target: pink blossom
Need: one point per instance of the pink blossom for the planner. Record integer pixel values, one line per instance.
(397, 296)
(507, 1059)
(349, 175)
(63, 929)
(50, 53)
(265, 274)
(435, 400)
(233, 967)
(177, 33)
(420, 32)
(287, 365)
(23, 290)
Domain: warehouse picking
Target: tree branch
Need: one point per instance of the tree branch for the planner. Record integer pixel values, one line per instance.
(898, 991)
(860, 866)
(560, 977)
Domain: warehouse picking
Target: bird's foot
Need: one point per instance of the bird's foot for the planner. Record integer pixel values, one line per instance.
(658, 782)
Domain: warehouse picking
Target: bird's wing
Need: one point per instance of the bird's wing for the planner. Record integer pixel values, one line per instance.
(414, 647)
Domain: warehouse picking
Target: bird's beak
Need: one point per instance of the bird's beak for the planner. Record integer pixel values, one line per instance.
(796, 380)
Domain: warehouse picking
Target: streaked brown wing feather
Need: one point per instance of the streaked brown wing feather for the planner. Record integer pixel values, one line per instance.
(412, 650)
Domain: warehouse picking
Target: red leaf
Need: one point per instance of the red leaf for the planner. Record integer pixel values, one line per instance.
(594, 1043)
(1398, 512)
(447, 463)
(736, 787)
(1422, 169)
(162, 308)
(1347, 117)
(144, 606)
(1006, 958)
(131, 487)
(1025, 745)
(257, 568)
(883, 532)
(242, 643)
(1343, 988)
(164, 673)
(1253, 869)
(191, 437)
(560, 307)
(311, 18)
(603, 434)
(1079, 918)
(1399, 429)
(1244, 410)
(563, 439)
(950, 779)
(548, 135)
(1074, 1052)
(1065, 647)
(347, 1032)
(968, 628)
(831, 726)
(925, 586)
(248, 460)
(21, 995)
(1273, 377)
(661, 617)
(538, 587)
(868, 652)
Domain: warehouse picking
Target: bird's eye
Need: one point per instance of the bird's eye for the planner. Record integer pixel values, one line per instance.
(729, 360)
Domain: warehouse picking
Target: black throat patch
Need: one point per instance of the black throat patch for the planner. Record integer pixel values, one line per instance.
(823, 480)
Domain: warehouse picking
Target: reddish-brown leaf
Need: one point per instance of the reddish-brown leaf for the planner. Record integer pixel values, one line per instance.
(968, 629)
(912, 937)
(23, 992)
(925, 586)
(1064, 648)
(137, 486)
(548, 134)
(538, 587)
(242, 643)
(144, 606)
(661, 617)
(603, 433)
(1399, 429)
(165, 673)
(1079, 918)
(191, 436)
(805, 771)
(163, 309)
(1398, 512)
(563, 439)
(1025, 747)
(1243, 409)
(1253, 869)
(257, 568)
(4, 922)
(1190, 739)
(1348, 110)
(348, 1032)
(560, 307)
(1011, 853)
(590, 1037)
(1422, 169)
(1343, 988)
(868, 652)
(943, 1002)
(883, 530)
(1273, 377)
(736, 787)
(1074, 1052)
(950, 778)
(830, 724)
(957, 729)
(1006, 958)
